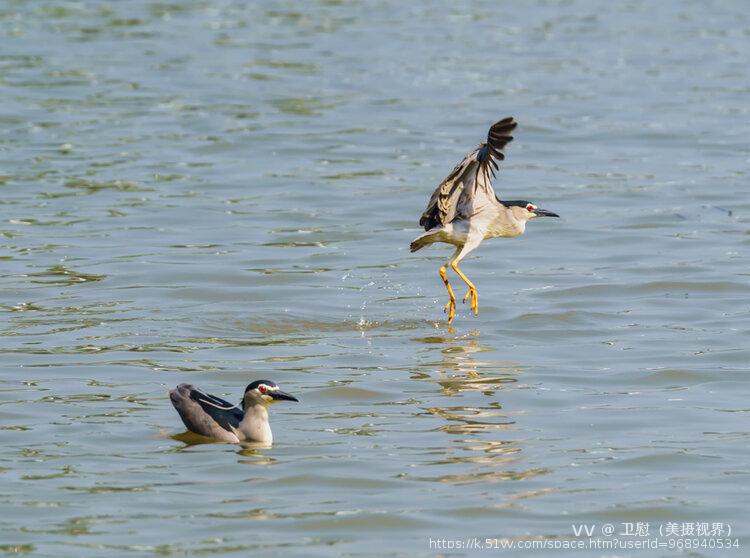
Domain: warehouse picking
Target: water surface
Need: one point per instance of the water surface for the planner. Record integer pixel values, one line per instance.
(216, 193)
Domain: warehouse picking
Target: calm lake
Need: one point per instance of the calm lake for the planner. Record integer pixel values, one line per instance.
(215, 192)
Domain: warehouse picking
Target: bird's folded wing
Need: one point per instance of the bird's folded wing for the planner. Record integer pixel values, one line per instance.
(228, 416)
(467, 190)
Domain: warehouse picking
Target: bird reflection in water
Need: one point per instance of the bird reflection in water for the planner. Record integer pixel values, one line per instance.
(459, 371)
(250, 453)
(253, 454)
(481, 450)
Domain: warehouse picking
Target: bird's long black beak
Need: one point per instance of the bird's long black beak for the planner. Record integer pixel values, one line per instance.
(282, 395)
(544, 213)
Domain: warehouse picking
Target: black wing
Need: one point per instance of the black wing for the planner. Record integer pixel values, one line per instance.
(228, 416)
(456, 196)
(497, 138)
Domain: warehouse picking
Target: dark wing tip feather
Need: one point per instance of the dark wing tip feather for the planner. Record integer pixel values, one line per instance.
(499, 133)
(497, 138)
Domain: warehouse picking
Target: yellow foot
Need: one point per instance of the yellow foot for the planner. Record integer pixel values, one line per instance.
(450, 307)
(472, 293)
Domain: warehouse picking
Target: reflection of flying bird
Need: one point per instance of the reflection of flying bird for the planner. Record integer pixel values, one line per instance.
(463, 210)
(210, 416)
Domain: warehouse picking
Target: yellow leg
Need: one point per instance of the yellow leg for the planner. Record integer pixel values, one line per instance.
(450, 307)
(472, 292)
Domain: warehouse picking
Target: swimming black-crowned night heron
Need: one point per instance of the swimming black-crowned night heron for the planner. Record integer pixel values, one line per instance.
(210, 416)
(464, 210)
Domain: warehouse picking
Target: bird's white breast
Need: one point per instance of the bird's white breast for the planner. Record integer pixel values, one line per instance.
(254, 426)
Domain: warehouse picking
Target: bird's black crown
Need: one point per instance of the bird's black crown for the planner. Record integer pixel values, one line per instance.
(256, 383)
(517, 203)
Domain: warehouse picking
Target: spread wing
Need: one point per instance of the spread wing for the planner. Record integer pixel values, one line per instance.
(468, 188)
(223, 412)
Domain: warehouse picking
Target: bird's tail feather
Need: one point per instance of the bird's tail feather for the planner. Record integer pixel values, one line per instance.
(422, 240)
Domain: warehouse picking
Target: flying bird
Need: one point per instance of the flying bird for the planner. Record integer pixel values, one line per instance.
(212, 417)
(464, 210)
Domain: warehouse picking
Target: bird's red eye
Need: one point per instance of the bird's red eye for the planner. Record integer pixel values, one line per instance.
(262, 388)
(530, 207)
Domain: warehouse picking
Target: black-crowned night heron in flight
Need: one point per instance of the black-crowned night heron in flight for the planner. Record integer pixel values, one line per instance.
(464, 210)
(210, 416)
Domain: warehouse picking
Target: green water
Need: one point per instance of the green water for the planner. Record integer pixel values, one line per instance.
(213, 192)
